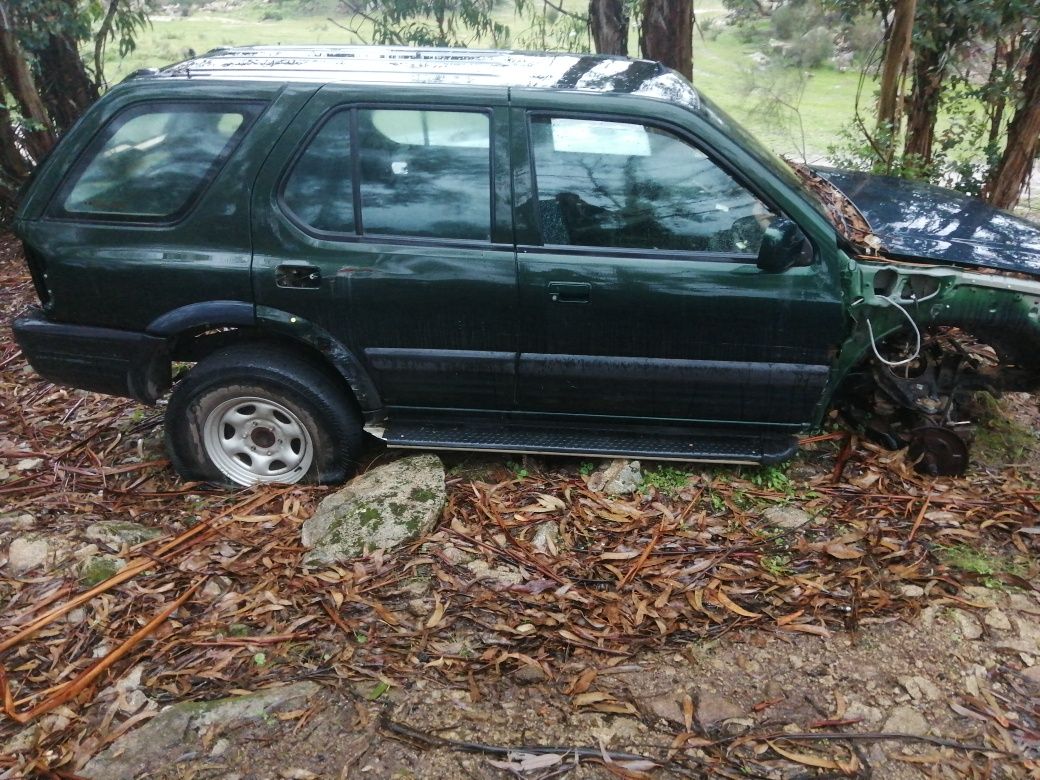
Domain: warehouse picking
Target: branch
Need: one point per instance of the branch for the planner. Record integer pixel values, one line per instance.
(99, 43)
(565, 12)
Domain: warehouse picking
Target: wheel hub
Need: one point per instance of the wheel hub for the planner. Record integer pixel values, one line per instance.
(938, 452)
(253, 440)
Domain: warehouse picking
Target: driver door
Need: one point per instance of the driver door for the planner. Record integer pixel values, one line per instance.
(639, 289)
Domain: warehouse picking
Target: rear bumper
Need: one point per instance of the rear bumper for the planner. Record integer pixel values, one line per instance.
(115, 362)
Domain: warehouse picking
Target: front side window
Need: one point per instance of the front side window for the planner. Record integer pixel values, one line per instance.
(425, 173)
(152, 161)
(632, 186)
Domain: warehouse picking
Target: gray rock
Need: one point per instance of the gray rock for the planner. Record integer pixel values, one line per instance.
(1023, 603)
(378, 510)
(665, 707)
(115, 533)
(618, 478)
(713, 709)
(98, 568)
(906, 720)
(27, 553)
(912, 591)
(1032, 674)
(502, 576)
(970, 628)
(789, 517)
(546, 538)
(180, 729)
(920, 688)
(996, 618)
(871, 716)
(17, 521)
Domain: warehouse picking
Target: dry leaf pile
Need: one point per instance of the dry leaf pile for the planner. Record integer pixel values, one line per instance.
(220, 605)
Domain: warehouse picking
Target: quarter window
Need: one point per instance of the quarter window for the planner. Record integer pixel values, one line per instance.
(628, 185)
(152, 161)
(319, 191)
(425, 173)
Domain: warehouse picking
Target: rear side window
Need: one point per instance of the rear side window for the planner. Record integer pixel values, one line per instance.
(425, 173)
(152, 161)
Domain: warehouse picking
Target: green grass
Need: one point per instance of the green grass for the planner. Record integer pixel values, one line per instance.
(665, 479)
(988, 566)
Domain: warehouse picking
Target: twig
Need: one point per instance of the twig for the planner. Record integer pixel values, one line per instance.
(73, 687)
(431, 740)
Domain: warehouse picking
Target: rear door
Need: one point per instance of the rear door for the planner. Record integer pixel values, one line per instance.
(639, 289)
(390, 229)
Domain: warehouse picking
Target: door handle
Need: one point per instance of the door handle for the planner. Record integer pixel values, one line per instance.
(305, 277)
(570, 292)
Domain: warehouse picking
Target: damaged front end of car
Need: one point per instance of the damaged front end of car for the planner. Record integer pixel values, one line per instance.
(925, 342)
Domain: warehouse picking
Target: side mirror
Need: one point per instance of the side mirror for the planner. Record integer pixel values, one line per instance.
(783, 245)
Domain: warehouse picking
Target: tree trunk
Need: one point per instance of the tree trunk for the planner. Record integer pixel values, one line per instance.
(924, 105)
(66, 87)
(17, 78)
(666, 33)
(896, 55)
(1008, 179)
(608, 20)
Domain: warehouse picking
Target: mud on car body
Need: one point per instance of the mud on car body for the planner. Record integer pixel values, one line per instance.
(517, 252)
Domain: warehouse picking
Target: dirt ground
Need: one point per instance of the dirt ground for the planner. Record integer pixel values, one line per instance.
(780, 623)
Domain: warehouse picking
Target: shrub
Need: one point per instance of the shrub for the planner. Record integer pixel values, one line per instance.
(814, 48)
(792, 20)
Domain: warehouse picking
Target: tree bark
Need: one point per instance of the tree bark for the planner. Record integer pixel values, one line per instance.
(666, 33)
(608, 20)
(16, 76)
(896, 55)
(924, 105)
(66, 87)
(100, 39)
(1008, 179)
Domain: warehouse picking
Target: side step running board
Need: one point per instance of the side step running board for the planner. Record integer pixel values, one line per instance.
(544, 439)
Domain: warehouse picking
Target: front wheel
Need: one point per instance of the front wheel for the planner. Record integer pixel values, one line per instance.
(260, 413)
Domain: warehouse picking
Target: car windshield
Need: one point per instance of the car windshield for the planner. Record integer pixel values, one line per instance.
(827, 199)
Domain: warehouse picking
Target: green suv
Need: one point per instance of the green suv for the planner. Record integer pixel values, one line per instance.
(516, 252)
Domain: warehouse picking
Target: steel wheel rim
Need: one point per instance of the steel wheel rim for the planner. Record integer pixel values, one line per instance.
(255, 440)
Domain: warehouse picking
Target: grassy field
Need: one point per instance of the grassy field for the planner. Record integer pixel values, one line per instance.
(722, 67)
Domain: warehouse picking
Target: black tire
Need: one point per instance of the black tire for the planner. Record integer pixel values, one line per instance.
(272, 373)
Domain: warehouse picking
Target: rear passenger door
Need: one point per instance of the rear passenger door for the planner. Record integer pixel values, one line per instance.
(390, 229)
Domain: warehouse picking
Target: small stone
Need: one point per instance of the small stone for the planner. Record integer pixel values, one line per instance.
(665, 707)
(864, 713)
(99, 568)
(454, 555)
(17, 521)
(420, 607)
(983, 597)
(27, 464)
(1023, 603)
(996, 618)
(21, 742)
(906, 720)
(27, 553)
(789, 517)
(920, 688)
(619, 478)
(502, 576)
(529, 674)
(712, 709)
(1032, 674)
(546, 538)
(220, 747)
(116, 533)
(970, 628)
(912, 591)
